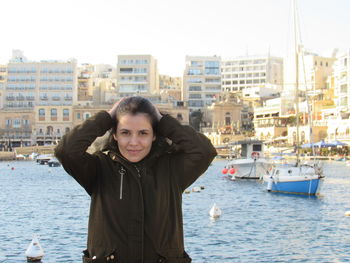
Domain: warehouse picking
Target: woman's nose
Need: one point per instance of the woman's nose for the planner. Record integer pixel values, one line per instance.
(133, 139)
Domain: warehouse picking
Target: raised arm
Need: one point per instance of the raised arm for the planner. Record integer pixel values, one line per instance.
(71, 150)
(195, 150)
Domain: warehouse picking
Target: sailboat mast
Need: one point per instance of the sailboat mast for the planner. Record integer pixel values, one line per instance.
(296, 45)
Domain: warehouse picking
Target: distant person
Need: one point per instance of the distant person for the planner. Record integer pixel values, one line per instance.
(135, 181)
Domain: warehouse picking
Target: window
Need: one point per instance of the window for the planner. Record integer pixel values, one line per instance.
(195, 96)
(65, 114)
(53, 112)
(78, 115)
(86, 115)
(41, 114)
(195, 88)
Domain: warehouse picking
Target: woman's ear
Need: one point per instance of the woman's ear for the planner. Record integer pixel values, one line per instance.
(115, 136)
(154, 138)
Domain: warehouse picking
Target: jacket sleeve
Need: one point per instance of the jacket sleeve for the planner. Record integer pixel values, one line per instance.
(195, 151)
(71, 150)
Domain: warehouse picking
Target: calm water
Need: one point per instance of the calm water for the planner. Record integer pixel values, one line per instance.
(256, 226)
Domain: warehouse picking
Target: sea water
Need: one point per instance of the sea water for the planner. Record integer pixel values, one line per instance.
(255, 225)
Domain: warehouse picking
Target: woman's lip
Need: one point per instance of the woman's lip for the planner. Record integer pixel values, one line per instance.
(134, 151)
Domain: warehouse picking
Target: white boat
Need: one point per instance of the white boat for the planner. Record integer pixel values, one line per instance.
(43, 158)
(34, 252)
(297, 178)
(250, 163)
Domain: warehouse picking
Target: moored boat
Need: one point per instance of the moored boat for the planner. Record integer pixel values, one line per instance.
(250, 163)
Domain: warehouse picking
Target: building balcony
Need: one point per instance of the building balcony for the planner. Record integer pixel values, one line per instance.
(67, 98)
(20, 98)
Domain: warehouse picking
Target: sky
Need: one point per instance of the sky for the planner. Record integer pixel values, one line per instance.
(97, 31)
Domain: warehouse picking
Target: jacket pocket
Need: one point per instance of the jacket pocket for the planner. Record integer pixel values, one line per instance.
(109, 258)
(175, 256)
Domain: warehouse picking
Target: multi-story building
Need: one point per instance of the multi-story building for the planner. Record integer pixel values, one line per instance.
(16, 127)
(171, 86)
(201, 81)
(342, 81)
(85, 83)
(251, 71)
(313, 73)
(42, 83)
(3, 77)
(51, 123)
(137, 74)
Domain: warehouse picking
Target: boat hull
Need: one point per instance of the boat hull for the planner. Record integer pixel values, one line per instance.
(305, 187)
(249, 168)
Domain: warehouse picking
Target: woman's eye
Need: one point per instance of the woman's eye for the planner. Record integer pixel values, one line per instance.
(143, 133)
(124, 132)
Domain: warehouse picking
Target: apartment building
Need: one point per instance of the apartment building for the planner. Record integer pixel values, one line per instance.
(342, 81)
(137, 74)
(251, 71)
(313, 73)
(201, 81)
(3, 77)
(42, 83)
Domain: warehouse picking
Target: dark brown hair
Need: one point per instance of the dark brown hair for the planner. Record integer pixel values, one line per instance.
(134, 105)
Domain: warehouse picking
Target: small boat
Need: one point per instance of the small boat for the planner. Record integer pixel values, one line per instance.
(34, 252)
(53, 162)
(43, 158)
(251, 163)
(291, 179)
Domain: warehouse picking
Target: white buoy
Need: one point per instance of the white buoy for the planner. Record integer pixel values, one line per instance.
(215, 211)
(34, 252)
(347, 213)
(187, 191)
(196, 189)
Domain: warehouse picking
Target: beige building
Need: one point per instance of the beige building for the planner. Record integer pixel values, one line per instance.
(313, 74)
(137, 74)
(269, 122)
(85, 83)
(342, 81)
(42, 83)
(16, 128)
(3, 77)
(241, 73)
(201, 81)
(51, 123)
(171, 86)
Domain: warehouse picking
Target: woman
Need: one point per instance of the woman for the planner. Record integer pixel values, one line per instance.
(136, 182)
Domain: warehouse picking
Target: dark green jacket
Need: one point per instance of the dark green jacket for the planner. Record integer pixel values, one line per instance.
(136, 208)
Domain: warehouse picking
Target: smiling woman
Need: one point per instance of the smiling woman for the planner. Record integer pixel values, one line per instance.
(136, 181)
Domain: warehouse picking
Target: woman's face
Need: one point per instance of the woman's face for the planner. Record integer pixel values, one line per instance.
(134, 136)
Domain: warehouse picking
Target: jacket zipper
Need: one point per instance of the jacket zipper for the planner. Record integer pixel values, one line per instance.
(121, 172)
